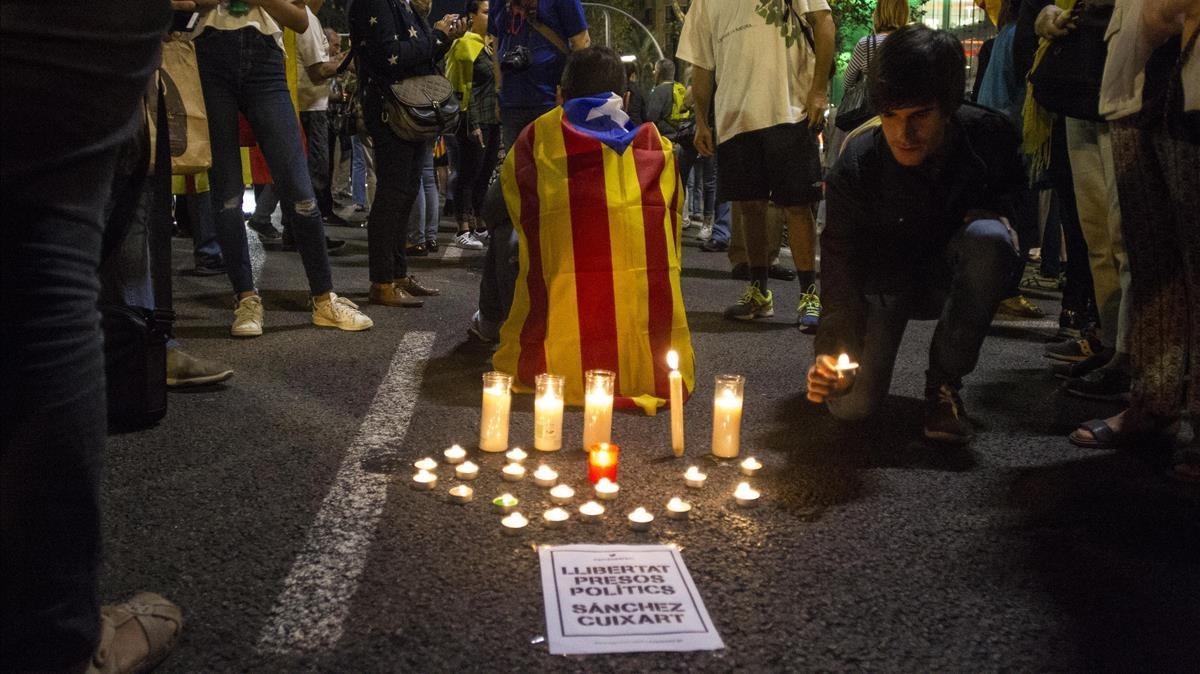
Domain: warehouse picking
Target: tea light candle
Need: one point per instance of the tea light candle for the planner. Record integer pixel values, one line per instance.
(727, 416)
(678, 509)
(591, 512)
(675, 379)
(640, 519)
(545, 476)
(597, 407)
(746, 496)
(466, 471)
(514, 523)
(513, 472)
(461, 494)
(516, 455)
(606, 489)
(548, 413)
(561, 494)
(694, 478)
(493, 417)
(602, 462)
(424, 480)
(555, 517)
(505, 503)
(455, 455)
(750, 466)
(844, 366)
(426, 464)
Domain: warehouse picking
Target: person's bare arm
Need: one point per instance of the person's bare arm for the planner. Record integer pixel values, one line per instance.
(320, 72)
(702, 93)
(289, 13)
(823, 37)
(581, 40)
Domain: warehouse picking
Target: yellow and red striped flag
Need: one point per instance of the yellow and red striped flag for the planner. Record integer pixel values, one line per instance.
(598, 288)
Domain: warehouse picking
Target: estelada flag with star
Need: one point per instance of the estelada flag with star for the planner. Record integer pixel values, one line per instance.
(596, 204)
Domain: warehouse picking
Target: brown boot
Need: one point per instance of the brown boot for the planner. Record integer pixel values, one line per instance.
(390, 295)
(137, 635)
(410, 285)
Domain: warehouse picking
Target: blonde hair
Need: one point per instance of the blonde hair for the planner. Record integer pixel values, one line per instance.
(890, 15)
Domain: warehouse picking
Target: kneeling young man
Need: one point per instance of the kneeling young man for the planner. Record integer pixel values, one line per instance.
(918, 226)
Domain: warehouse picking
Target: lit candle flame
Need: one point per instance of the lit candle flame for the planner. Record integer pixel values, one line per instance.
(673, 360)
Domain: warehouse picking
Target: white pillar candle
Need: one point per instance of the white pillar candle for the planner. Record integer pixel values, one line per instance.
(516, 455)
(426, 464)
(727, 416)
(746, 496)
(640, 519)
(461, 494)
(591, 511)
(597, 407)
(694, 478)
(750, 466)
(514, 523)
(493, 418)
(424, 480)
(606, 489)
(455, 455)
(545, 476)
(561, 494)
(505, 503)
(678, 509)
(548, 413)
(555, 517)
(466, 471)
(676, 381)
(513, 472)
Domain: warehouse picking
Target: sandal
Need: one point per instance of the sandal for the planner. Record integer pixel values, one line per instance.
(1104, 437)
(146, 622)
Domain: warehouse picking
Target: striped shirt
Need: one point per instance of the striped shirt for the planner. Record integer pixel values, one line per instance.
(856, 70)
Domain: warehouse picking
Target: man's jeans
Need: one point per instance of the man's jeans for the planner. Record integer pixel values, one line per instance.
(423, 219)
(703, 198)
(722, 230)
(242, 70)
(981, 256)
(198, 208)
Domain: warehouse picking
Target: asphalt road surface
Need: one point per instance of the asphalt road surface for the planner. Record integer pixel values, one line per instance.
(276, 509)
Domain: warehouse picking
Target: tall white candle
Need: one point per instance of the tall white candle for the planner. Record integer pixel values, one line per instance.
(597, 407)
(676, 381)
(493, 419)
(548, 413)
(727, 416)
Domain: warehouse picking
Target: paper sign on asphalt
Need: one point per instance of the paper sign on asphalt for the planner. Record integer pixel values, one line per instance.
(622, 599)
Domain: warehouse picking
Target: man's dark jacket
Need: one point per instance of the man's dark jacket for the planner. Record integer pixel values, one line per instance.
(887, 226)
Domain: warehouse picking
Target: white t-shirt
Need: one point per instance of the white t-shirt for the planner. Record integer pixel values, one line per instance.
(313, 47)
(761, 81)
(220, 19)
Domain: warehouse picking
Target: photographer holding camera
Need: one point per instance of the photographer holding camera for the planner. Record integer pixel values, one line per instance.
(533, 39)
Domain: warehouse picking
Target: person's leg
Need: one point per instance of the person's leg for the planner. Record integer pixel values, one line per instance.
(417, 214)
(721, 223)
(1092, 203)
(1120, 259)
(206, 248)
(265, 202)
(433, 211)
(708, 180)
(491, 157)
(470, 164)
(1079, 300)
(358, 172)
(340, 176)
(84, 92)
(316, 130)
(882, 334)
(398, 165)
(755, 241)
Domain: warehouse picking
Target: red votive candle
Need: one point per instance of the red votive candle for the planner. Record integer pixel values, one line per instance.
(602, 461)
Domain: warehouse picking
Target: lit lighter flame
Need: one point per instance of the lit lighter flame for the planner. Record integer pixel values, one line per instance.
(673, 360)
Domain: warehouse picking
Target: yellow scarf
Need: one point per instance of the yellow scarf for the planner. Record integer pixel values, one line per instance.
(1038, 122)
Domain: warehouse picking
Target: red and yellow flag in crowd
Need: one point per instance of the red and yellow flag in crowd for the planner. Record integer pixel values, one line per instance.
(598, 287)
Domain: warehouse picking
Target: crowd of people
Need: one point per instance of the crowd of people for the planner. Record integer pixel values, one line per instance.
(931, 210)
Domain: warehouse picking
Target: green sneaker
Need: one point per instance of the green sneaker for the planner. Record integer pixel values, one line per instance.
(751, 305)
(808, 311)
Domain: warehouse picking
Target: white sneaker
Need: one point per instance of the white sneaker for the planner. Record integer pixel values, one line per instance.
(468, 241)
(705, 232)
(341, 313)
(247, 317)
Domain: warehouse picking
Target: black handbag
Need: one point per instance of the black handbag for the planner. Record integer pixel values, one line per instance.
(1067, 79)
(856, 106)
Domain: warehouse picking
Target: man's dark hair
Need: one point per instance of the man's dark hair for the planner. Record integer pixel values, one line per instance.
(592, 71)
(631, 70)
(666, 70)
(472, 7)
(918, 66)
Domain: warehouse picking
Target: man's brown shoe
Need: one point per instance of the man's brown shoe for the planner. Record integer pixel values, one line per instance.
(412, 286)
(137, 635)
(391, 295)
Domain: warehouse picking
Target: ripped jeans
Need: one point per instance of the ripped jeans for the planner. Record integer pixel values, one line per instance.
(242, 71)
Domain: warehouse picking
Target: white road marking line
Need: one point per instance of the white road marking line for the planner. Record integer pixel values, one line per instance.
(310, 612)
(452, 253)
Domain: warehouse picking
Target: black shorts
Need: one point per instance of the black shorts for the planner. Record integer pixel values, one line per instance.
(781, 164)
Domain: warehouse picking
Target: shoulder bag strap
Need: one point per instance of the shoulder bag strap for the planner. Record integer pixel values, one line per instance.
(550, 35)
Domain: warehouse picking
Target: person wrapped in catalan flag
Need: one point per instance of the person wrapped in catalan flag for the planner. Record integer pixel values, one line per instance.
(596, 204)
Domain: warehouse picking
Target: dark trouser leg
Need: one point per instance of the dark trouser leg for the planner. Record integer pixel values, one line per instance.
(205, 247)
(423, 216)
(83, 92)
(316, 130)
(886, 321)
(491, 156)
(470, 163)
(397, 169)
(982, 257)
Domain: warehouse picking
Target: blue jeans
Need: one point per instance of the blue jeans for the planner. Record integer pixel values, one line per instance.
(423, 220)
(981, 257)
(242, 70)
(722, 230)
(205, 247)
(704, 197)
(358, 171)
